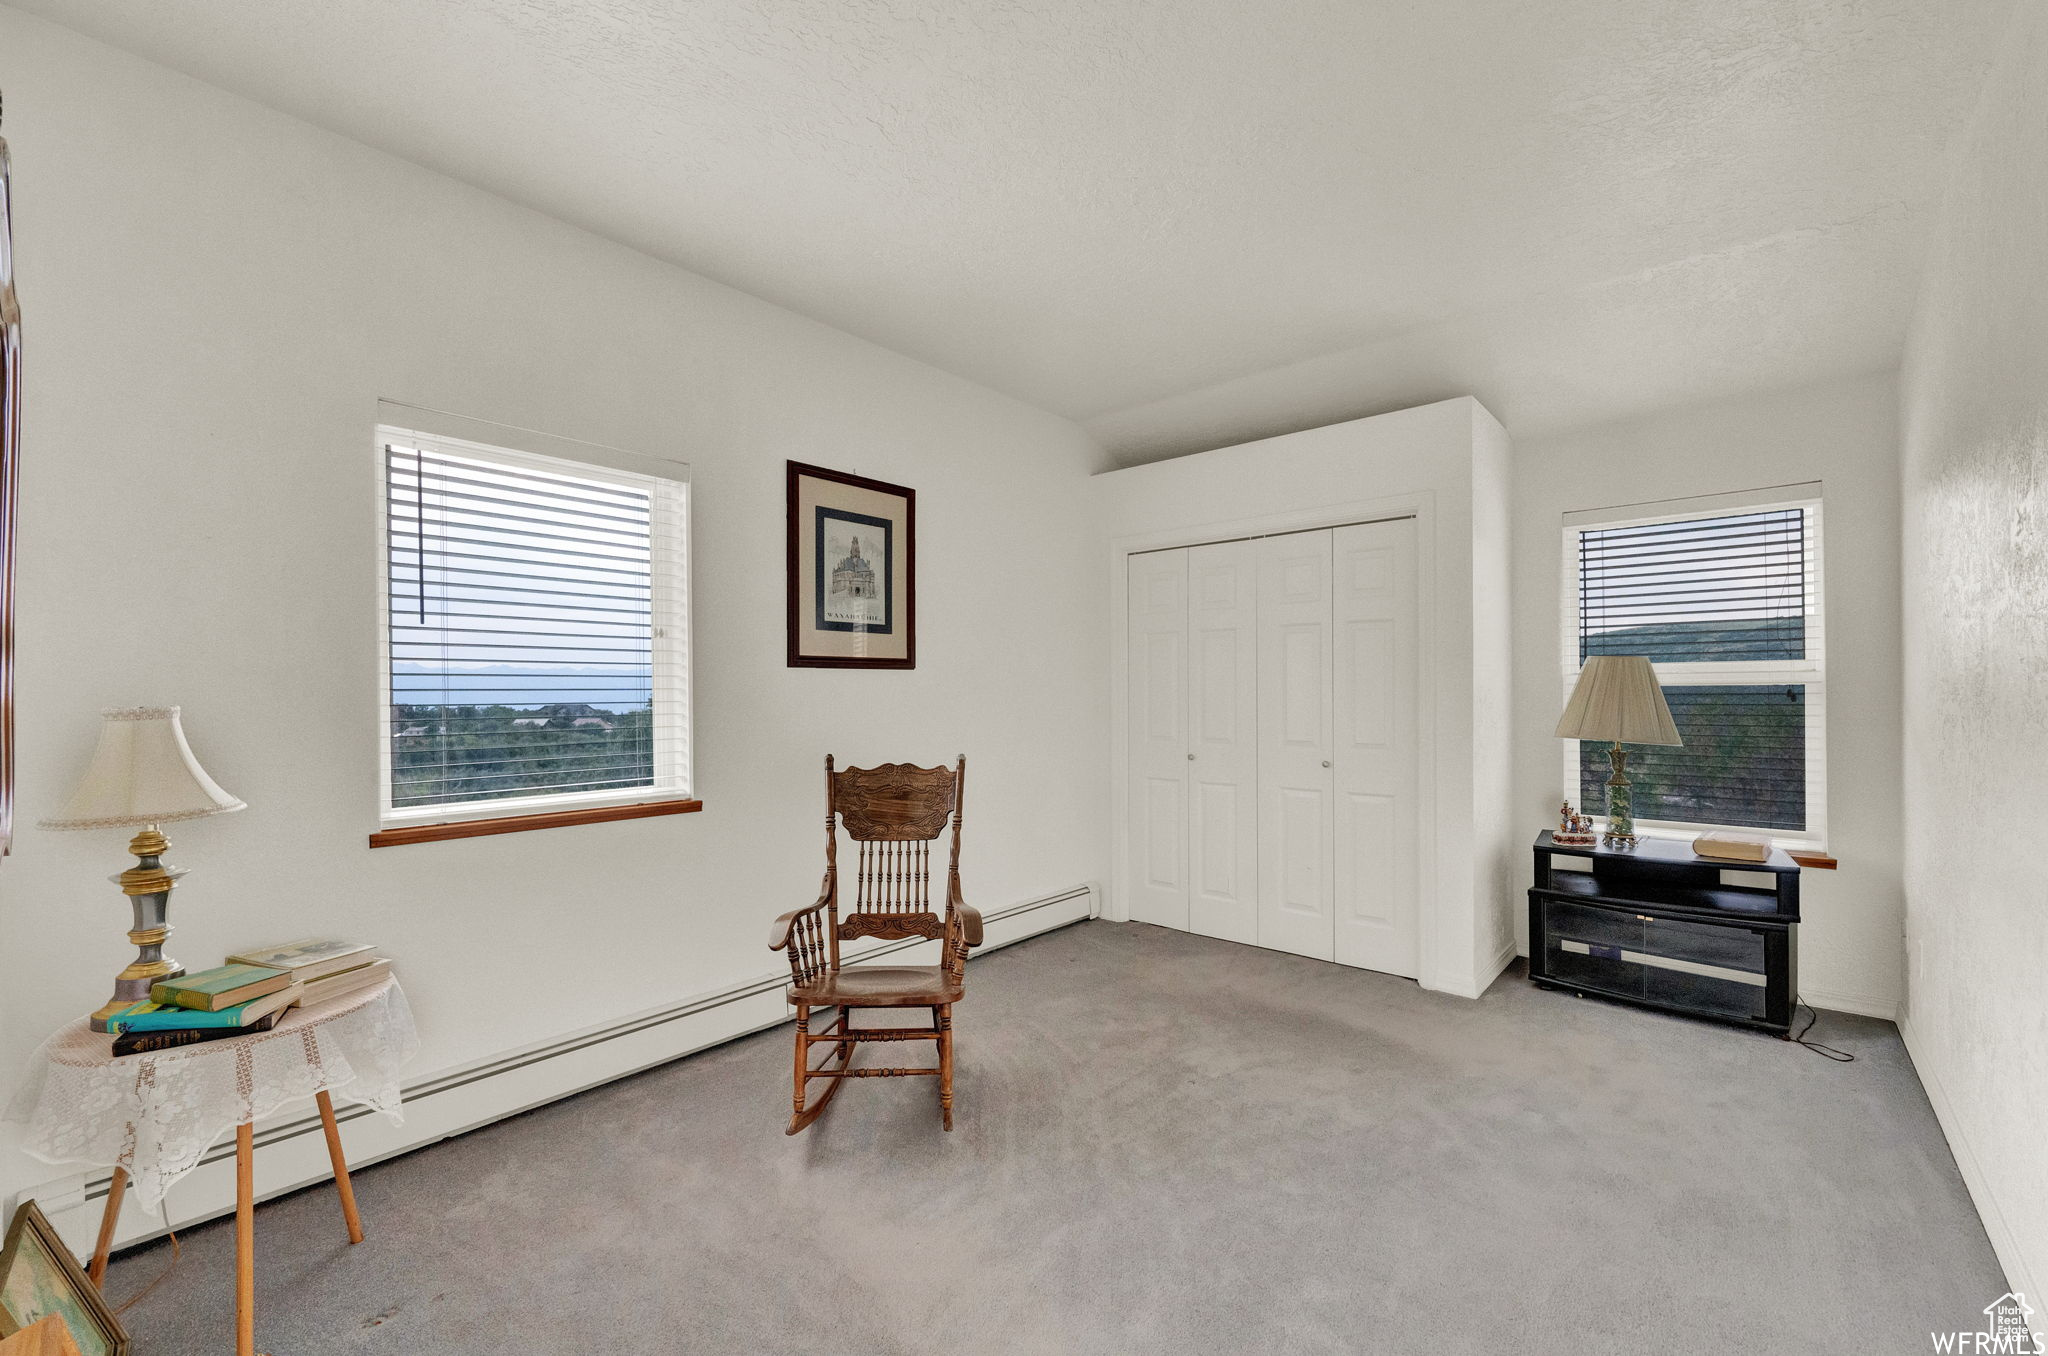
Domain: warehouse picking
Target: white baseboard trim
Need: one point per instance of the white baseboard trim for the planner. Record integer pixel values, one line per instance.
(1862, 1005)
(2018, 1275)
(292, 1153)
(1477, 983)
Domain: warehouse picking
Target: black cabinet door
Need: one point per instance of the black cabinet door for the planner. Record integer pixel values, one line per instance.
(1726, 970)
(1717, 970)
(1593, 948)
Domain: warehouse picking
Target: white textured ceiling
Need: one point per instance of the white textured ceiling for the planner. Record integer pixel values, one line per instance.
(1187, 222)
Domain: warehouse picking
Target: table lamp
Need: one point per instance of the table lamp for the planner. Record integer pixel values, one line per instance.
(1618, 699)
(143, 774)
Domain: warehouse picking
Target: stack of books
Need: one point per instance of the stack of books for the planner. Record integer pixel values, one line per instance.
(323, 967)
(228, 1000)
(248, 994)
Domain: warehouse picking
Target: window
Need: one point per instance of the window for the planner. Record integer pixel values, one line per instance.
(536, 633)
(1725, 599)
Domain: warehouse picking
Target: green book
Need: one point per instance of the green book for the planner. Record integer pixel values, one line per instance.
(221, 987)
(170, 1017)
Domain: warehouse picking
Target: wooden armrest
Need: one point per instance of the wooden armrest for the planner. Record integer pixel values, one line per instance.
(970, 917)
(778, 934)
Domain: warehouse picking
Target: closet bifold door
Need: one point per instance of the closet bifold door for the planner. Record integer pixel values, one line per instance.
(1223, 734)
(1295, 744)
(1156, 717)
(1377, 835)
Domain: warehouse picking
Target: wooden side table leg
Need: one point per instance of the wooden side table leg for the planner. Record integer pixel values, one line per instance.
(245, 1240)
(341, 1183)
(112, 1216)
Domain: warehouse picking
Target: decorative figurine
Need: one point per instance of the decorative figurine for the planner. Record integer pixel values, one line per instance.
(1573, 829)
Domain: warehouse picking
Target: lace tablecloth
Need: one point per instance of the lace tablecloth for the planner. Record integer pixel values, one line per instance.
(157, 1114)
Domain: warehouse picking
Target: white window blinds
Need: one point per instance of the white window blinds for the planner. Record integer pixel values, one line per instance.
(1701, 589)
(537, 631)
(1727, 606)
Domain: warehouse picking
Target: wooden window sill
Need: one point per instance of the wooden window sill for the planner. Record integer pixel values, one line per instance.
(1812, 861)
(547, 819)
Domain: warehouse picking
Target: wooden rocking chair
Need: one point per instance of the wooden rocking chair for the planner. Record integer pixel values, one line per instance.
(895, 812)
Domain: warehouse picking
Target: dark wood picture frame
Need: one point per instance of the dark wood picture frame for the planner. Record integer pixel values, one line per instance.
(31, 1224)
(900, 596)
(10, 483)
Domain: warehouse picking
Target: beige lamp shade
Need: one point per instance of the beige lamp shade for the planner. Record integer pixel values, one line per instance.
(143, 772)
(1618, 700)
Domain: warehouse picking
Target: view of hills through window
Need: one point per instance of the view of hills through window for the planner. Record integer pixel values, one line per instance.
(1701, 597)
(521, 631)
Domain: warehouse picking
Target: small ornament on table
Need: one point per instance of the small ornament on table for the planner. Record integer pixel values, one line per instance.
(1573, 829)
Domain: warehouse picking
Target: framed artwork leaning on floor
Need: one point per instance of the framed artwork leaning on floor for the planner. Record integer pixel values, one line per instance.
(39, 1277)
(852, 561)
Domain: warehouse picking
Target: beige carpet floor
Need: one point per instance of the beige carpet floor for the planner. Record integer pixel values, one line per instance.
(1164, 1144)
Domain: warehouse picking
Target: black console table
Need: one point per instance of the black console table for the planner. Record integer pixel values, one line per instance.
(1654, 924)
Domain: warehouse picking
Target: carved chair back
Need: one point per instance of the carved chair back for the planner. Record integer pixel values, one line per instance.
(893, 814)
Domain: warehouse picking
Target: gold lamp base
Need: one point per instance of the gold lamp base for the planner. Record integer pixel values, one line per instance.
(148, 885)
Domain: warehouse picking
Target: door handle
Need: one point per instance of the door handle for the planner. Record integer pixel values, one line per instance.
(1191, 758)
(1326, 762)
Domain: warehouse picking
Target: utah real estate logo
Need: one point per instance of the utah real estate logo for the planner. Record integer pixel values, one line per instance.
(2007, 1332)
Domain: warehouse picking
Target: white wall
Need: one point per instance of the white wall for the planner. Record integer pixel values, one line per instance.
(1975, 491)
(1447, 462)
(1495, 830)
(216, 296)
(1843, 434)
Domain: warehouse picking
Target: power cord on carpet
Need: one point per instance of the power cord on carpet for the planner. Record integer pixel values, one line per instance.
(161, 1276)
(1827, 1051)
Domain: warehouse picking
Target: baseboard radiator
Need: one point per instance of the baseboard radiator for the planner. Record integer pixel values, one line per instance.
(291, 1154)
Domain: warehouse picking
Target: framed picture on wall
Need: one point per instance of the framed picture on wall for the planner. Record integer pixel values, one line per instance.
(852, 571)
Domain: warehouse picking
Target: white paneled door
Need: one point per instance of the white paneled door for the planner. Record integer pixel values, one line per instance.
(1273, 747)
(1378, 907)
(1295, 744)
(1223, 740)
(1157, 716)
